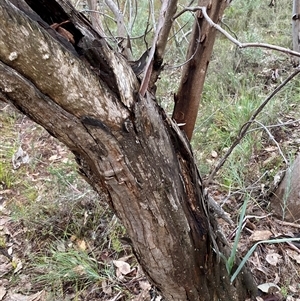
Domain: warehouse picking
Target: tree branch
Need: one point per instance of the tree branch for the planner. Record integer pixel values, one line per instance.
(124, 43)
(234, 40)
(116, 136)
(153, 67)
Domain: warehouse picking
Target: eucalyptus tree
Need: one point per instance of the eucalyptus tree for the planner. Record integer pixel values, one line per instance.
(61, 71)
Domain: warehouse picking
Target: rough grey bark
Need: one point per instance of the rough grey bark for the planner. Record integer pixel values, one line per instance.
(86, 95)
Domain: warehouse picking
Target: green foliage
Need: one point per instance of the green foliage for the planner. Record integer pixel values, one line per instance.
(116, 231)
(2, 242)
(64, 266)
(284, 291)
(7, 178)
(250, 252)
(64, 175)
(261, 21)
(230, 261)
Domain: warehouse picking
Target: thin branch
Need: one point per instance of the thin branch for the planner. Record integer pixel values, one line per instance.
(122, 30)
(132, 20)
(194, 53)
(77, 3)
(98, 12)
(274, 140)
(151, 14)
(231, 38)
(176, 31)
(159, 43)
(245, 127)
(96, 21)
(284, 223)
(275, 125)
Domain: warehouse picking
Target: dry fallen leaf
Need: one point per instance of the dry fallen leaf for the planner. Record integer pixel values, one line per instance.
(294, 255)
(293, 288)
(54, 158)
(264, 287)
(106, 288)
(260, 235)
(273, 258)
(122, 267)
(145, 285)
(19, 157)
(73, 237)
(4, 220)
(125, 258)
(270, 159)
(214, 154)
(79, 270)
(270, 148)
(81, 244)
(5, 268)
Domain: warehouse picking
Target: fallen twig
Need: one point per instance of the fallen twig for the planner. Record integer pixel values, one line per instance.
(283, 223)
(274, 140)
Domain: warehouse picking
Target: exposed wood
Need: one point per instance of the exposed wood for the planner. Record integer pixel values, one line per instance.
(133, 155)
(203, 36)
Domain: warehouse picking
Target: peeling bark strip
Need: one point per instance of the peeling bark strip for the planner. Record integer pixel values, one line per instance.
(125, 146)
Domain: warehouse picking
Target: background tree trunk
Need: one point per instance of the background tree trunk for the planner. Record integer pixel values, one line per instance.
(85, 95)
(286, 199)
(187, 99)
(296, 29)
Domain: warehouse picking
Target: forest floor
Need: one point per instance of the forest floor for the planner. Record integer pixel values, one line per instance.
(59, 241)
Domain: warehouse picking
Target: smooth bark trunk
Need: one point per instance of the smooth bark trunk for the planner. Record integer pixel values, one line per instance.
(187, 99)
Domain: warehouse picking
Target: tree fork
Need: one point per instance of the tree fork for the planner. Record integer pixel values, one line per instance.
(126, 147)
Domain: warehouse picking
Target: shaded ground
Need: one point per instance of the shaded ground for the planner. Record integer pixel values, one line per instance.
(58, 241)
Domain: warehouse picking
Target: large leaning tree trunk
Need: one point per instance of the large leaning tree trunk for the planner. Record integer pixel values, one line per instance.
(86, 95)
